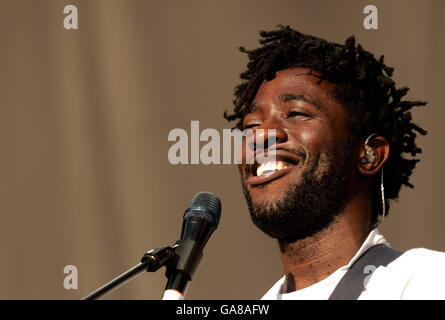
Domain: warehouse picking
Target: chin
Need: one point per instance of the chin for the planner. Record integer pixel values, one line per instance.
(272, 191)
(261, 197)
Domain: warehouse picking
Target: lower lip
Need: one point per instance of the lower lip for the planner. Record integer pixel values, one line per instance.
(258, 180)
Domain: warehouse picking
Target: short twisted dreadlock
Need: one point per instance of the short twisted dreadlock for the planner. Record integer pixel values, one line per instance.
(363, 85)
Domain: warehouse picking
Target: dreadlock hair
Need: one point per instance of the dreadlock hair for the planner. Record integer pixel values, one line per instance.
(362, 84)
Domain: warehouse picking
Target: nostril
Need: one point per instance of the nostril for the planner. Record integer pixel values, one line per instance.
(271, 140)
(251, 146)
(264, 143)
(263, 139)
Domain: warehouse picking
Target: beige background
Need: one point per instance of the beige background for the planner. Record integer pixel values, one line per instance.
(84, 119)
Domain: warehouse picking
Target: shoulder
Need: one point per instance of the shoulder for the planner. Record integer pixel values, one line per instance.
(423, 270)
(422, 259)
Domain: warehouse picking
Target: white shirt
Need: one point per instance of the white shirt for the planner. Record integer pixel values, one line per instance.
(416, 274)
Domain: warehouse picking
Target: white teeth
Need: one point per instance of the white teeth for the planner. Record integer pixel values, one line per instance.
(269, 167)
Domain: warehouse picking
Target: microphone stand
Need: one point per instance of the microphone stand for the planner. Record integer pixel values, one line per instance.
(150, 262)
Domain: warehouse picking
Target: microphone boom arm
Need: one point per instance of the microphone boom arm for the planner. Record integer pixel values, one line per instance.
(150, 262)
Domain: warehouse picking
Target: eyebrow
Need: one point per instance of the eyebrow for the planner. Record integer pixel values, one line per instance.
(286, 97)
(254, 106)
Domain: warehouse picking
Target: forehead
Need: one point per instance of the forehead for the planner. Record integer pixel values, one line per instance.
(297, 81)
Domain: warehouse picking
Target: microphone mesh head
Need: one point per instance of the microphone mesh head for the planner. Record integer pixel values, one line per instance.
(205, 205)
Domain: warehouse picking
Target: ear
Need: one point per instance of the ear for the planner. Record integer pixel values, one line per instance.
(380, 146)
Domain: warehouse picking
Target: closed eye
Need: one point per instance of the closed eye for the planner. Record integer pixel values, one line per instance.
(297, 114)
(252, 125)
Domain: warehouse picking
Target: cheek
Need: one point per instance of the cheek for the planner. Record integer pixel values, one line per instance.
(319, 144)
(312, 139)
(244, 154)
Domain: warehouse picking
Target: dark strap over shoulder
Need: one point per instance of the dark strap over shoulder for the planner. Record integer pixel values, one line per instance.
(353, 282)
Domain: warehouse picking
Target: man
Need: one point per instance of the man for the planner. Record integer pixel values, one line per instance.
(344, 145)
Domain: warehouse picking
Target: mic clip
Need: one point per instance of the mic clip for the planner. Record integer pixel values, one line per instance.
(183, 256)
(187, 255)
(157, 258)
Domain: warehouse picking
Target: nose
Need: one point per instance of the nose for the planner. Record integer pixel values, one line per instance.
(268, 134)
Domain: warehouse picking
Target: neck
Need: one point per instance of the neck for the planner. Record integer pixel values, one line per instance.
(314, 258)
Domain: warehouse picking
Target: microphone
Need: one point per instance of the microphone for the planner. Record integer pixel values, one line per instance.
(200, 219)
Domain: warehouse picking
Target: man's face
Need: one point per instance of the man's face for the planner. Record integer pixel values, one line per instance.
(308, 185)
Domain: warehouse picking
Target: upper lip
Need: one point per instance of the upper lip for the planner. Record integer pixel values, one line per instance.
(279, 154)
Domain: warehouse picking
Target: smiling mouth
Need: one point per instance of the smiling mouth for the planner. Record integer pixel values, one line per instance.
(270, 167)
(270, 170)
